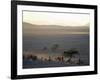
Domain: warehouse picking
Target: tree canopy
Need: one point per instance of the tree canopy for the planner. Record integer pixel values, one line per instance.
(70, 52)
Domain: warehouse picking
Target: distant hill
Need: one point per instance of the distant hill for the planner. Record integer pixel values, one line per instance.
(53, 29)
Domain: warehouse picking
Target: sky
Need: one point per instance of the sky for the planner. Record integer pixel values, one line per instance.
(62, 19)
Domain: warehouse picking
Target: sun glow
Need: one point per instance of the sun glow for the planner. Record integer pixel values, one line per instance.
(49, 18)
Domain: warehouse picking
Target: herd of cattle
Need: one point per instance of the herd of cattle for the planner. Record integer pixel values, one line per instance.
(54, 58)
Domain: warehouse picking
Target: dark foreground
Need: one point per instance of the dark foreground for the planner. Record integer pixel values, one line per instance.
(28, 63)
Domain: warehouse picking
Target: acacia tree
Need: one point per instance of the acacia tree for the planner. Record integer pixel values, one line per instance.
(70, 53)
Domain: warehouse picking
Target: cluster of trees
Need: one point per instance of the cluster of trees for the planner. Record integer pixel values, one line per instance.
(68, 53)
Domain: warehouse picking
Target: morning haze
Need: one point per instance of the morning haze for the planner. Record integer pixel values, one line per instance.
(55, 23)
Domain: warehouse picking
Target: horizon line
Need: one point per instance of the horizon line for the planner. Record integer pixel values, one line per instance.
(58, 25)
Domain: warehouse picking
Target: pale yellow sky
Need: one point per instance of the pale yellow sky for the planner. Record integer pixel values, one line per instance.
(48, 18)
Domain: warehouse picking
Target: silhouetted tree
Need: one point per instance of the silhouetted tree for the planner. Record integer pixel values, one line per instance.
(70, 53)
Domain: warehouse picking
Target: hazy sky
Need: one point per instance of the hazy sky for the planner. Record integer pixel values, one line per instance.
(48, 18)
